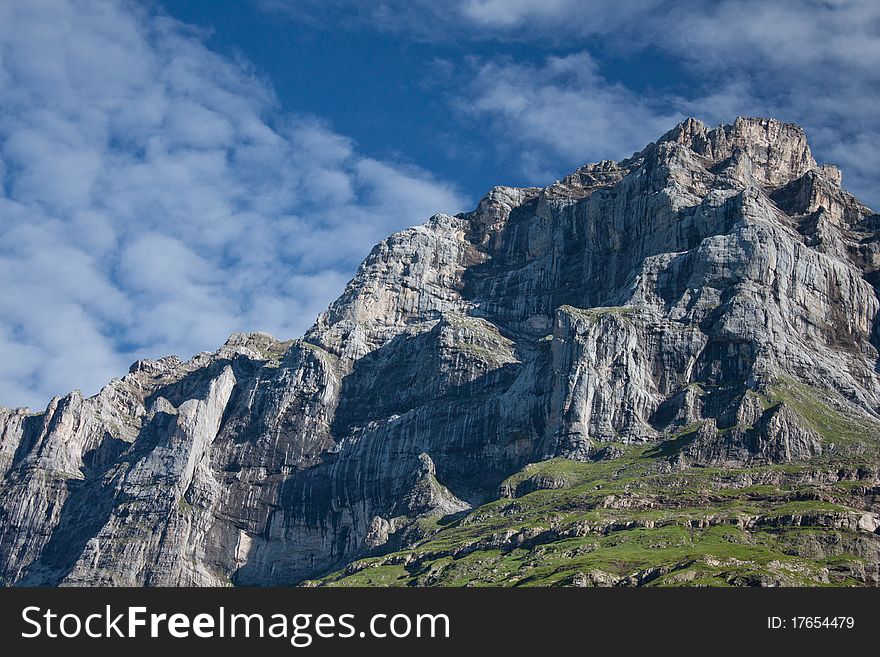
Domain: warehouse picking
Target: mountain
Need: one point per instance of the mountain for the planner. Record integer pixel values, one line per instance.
(656, 371)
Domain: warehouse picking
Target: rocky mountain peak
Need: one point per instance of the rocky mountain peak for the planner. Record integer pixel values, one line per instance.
(700, 317)
(777, 152)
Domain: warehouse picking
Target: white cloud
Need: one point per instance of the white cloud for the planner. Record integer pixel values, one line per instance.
(553, 19)
(156, 199)
(509, 13)
(561, 113)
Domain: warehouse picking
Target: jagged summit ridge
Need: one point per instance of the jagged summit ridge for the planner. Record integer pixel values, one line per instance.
(701, 299)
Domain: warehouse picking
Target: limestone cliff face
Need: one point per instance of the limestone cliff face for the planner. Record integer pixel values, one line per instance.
(669, 294)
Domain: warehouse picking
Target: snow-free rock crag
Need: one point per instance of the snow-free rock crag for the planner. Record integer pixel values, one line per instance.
(656, 371)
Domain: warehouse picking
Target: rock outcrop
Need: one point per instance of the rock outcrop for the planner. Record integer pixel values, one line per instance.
(714, 295)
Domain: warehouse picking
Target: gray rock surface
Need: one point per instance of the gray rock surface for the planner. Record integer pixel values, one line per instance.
(665, 295)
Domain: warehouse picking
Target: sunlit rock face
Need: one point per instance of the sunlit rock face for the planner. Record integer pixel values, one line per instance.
(633, 301)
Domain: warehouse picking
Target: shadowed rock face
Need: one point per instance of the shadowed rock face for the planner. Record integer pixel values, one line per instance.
(666, 295)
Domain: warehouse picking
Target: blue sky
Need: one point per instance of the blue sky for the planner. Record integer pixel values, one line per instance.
(176, 171)
(399, 98)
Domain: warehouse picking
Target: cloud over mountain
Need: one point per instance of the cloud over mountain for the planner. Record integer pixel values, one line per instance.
(812, 62)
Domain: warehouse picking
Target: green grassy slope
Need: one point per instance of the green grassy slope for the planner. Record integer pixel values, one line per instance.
(637, 520)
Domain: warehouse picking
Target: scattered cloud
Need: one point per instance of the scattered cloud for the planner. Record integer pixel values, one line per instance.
(813, 62)
(155, 198)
